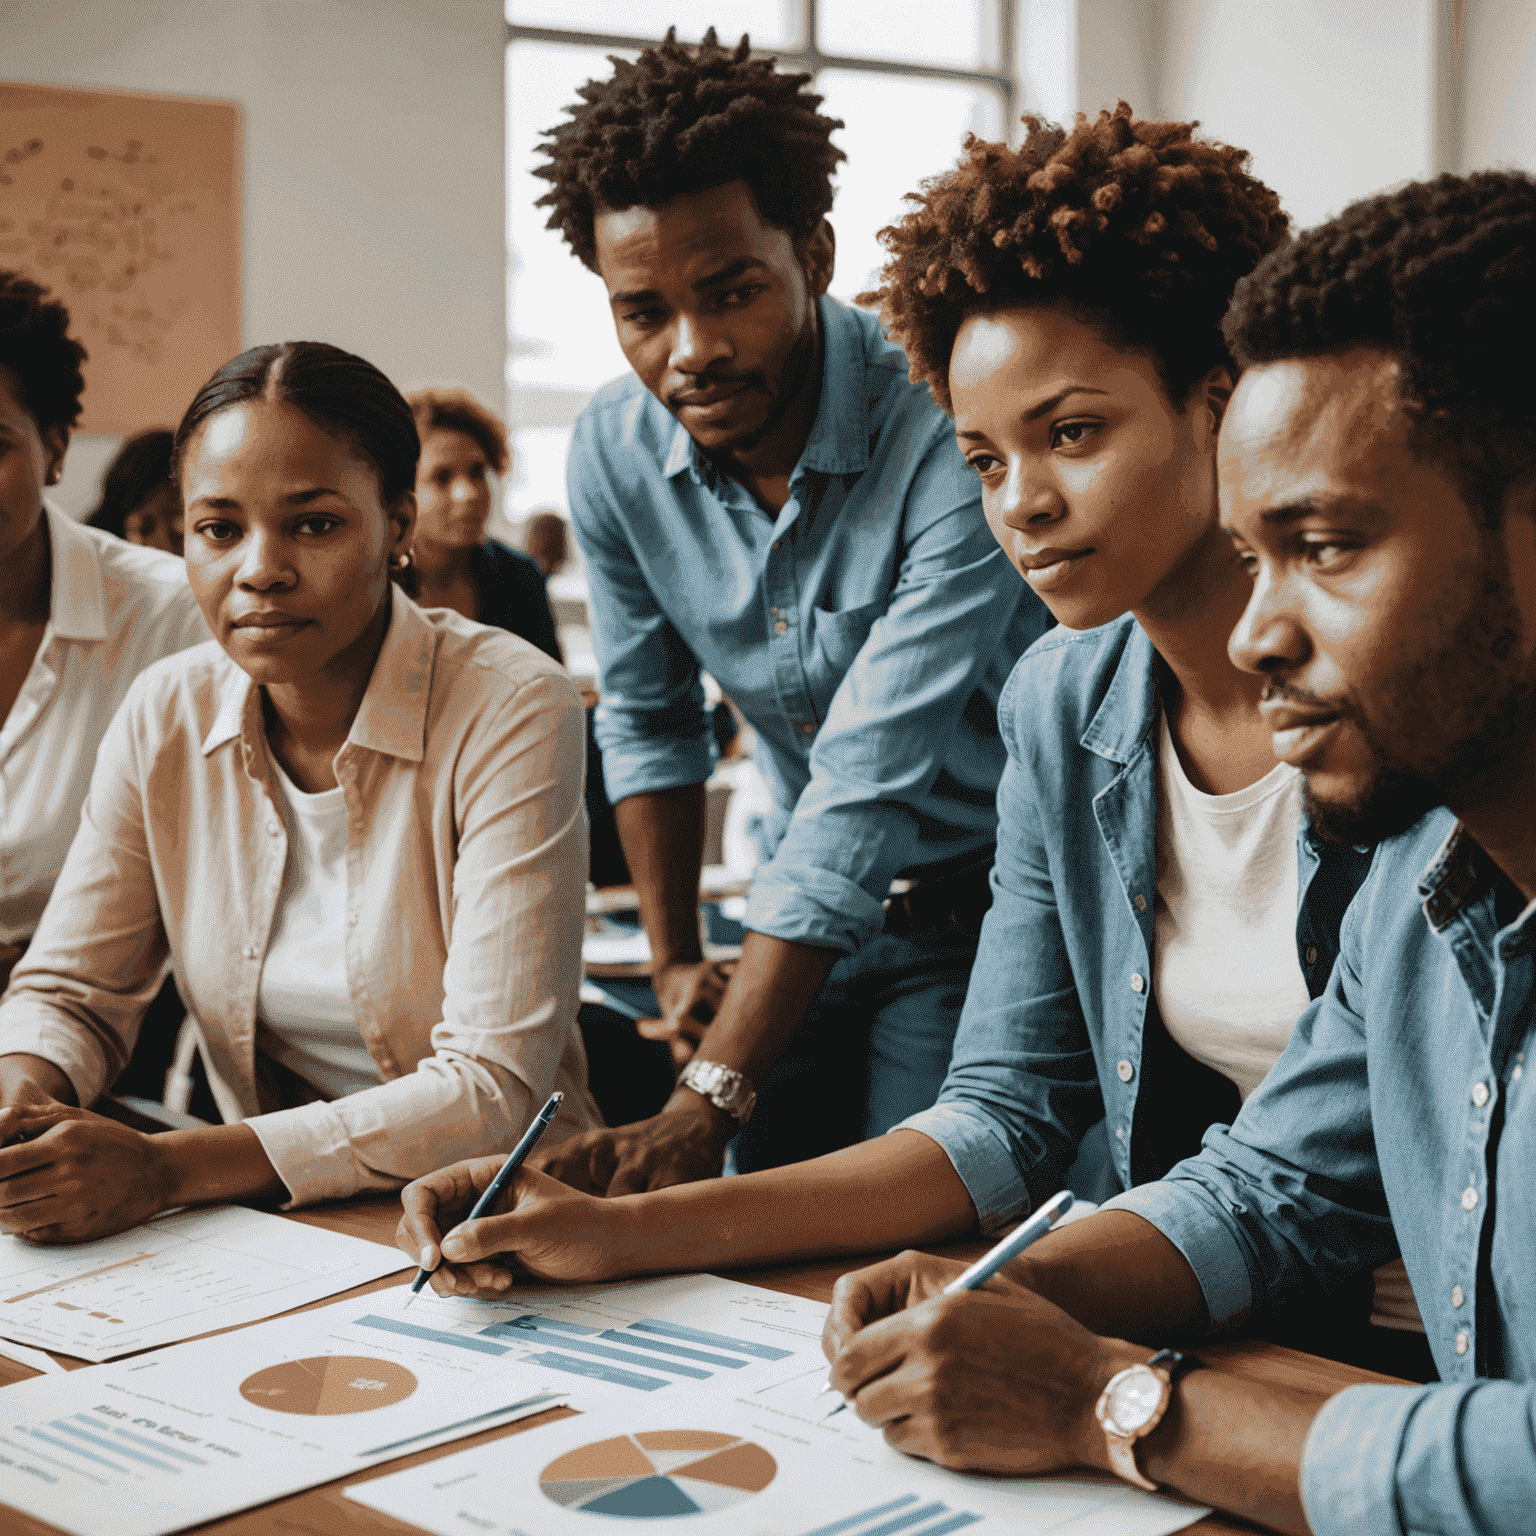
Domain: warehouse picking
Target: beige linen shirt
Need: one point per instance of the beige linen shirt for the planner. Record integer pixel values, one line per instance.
(466, 877)
(113, 609)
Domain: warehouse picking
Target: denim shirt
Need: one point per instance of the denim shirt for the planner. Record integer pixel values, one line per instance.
(865, 631)
(1060, 1027)
(1404, 1101)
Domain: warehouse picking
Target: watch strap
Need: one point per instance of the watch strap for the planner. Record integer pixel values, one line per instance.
(1169, 1364)
(727, 1089)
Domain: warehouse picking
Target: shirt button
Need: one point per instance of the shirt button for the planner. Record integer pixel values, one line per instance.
(1125, 1070)
(1138, 981)
(1462, 1341)
(249, 951)
(1120, 1135)
(808, 729)
(1141, 903)
(1479, 1094)
(1311, 954)
(1468, 1198)
(1518, 1072)
(273, 829)
(1457, 1296)
(775, 543)
(781, 628)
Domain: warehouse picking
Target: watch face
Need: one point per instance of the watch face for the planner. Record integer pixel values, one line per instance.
(1134, 1399)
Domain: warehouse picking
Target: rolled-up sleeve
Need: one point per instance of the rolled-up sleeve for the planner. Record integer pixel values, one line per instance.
(1022, 1088)
(1456, 1460)
(510, 981)
(891, 720)
(650, 723)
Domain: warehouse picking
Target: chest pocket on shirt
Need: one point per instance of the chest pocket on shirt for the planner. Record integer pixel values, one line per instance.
(839, 636)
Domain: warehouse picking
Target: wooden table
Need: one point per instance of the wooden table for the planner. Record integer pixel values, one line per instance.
(323, 1511)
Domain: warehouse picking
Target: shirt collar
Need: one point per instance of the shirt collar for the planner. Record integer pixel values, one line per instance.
(392, 718)
(77, 605)
(1458, 874)
(839, 440)
(1124, 719)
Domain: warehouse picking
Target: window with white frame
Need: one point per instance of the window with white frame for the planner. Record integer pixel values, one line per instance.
(909, 78)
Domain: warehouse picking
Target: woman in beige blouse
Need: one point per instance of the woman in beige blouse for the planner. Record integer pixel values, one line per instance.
(355, 826)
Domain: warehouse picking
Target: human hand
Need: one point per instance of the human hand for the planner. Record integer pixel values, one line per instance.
(71, 1176)
(983, 1382)
(537, 1227)
(863, 1296)
(28, 1079)
(685, 1142)
(689, 993)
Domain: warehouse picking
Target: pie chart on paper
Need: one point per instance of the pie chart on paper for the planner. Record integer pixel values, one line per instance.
(328, 1384)
(657, 1474)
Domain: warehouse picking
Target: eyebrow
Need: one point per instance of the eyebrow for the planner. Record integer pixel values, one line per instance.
(1044, 408)
(297, 499)
(720, 279)
(1314, 506)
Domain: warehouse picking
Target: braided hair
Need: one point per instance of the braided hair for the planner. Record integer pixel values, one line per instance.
(1441, 273)
(681, 120)
(1136, 224)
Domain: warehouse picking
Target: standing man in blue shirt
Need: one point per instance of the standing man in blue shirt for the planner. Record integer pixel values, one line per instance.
(771, 499)
(1378, 473)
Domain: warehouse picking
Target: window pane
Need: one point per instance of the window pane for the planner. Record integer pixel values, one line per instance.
(951, 35)
(772, 23)
(898, 131)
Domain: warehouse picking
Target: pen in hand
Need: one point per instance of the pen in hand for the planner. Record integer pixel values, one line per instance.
(993, 1260)
(515, 1160)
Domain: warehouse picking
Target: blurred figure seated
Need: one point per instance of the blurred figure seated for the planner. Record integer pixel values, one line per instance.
(547, 543)
(138, 501)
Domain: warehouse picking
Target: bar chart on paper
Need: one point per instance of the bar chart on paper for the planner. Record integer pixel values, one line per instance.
(635, 1340)
(174, 1278)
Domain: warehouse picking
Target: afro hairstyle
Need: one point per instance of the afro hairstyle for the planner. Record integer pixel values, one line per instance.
(1133, 223)
(681, 120)
(38, 351)
(1441, 273)
(452, 407)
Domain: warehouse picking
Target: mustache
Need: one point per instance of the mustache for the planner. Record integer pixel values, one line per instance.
(1279, 692)
(757, 381)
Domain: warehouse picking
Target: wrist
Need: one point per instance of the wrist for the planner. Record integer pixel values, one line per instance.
(1111, 1357)
(711, 1120)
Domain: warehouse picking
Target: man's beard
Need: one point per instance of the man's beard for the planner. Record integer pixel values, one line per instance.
(782, 392)
(1487, 693)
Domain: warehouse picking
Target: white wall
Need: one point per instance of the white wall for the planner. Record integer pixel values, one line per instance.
(374, 203)
(1496, 85)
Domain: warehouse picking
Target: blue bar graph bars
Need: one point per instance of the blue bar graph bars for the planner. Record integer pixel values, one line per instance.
(597, 1371)
(566, 1340)
(434, 1335)
(717, 1340)
(908, 1519)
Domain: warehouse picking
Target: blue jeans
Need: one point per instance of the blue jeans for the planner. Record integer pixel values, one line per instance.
(874, 1049)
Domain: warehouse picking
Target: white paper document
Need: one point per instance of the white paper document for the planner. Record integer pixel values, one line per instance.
(186, 1434)
(709, 1467)
(175, 1278)
(643, 1341)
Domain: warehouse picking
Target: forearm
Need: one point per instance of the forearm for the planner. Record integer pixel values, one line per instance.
(25, 1077)
(662, 834)
(892, 1192)
(1117, 1275)
(213, 1164)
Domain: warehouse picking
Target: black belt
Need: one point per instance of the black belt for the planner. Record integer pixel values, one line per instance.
(956, 900)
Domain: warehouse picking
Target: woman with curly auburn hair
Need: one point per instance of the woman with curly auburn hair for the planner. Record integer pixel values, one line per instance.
(1162, 912)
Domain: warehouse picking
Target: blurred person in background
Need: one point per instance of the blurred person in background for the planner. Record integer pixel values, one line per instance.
(81, 613)
(138, 501)
(547, 543)
(462, 445)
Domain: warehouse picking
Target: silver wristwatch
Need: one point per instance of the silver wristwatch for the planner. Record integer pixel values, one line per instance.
(724, 1087)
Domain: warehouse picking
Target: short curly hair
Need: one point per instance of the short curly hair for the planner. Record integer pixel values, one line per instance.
(37, 349)
(452, 407)
(1136, 224)
(682, 120)
(1441, 273)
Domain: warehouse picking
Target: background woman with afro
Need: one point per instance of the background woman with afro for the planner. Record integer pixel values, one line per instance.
(1162, 911)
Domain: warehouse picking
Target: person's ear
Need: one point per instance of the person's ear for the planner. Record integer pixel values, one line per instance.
(818, 258)
(402, 525)
(55, 441)
(1215, 395)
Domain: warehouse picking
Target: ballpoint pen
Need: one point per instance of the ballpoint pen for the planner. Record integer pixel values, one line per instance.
(515, 1160)
(994, 1259)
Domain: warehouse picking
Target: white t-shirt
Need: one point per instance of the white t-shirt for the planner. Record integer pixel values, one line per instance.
(303, 999)
(1226, 975)
(1227, 978)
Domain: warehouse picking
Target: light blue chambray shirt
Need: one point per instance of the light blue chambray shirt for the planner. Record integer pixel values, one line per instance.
(1402, 1112)
(866, 631)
